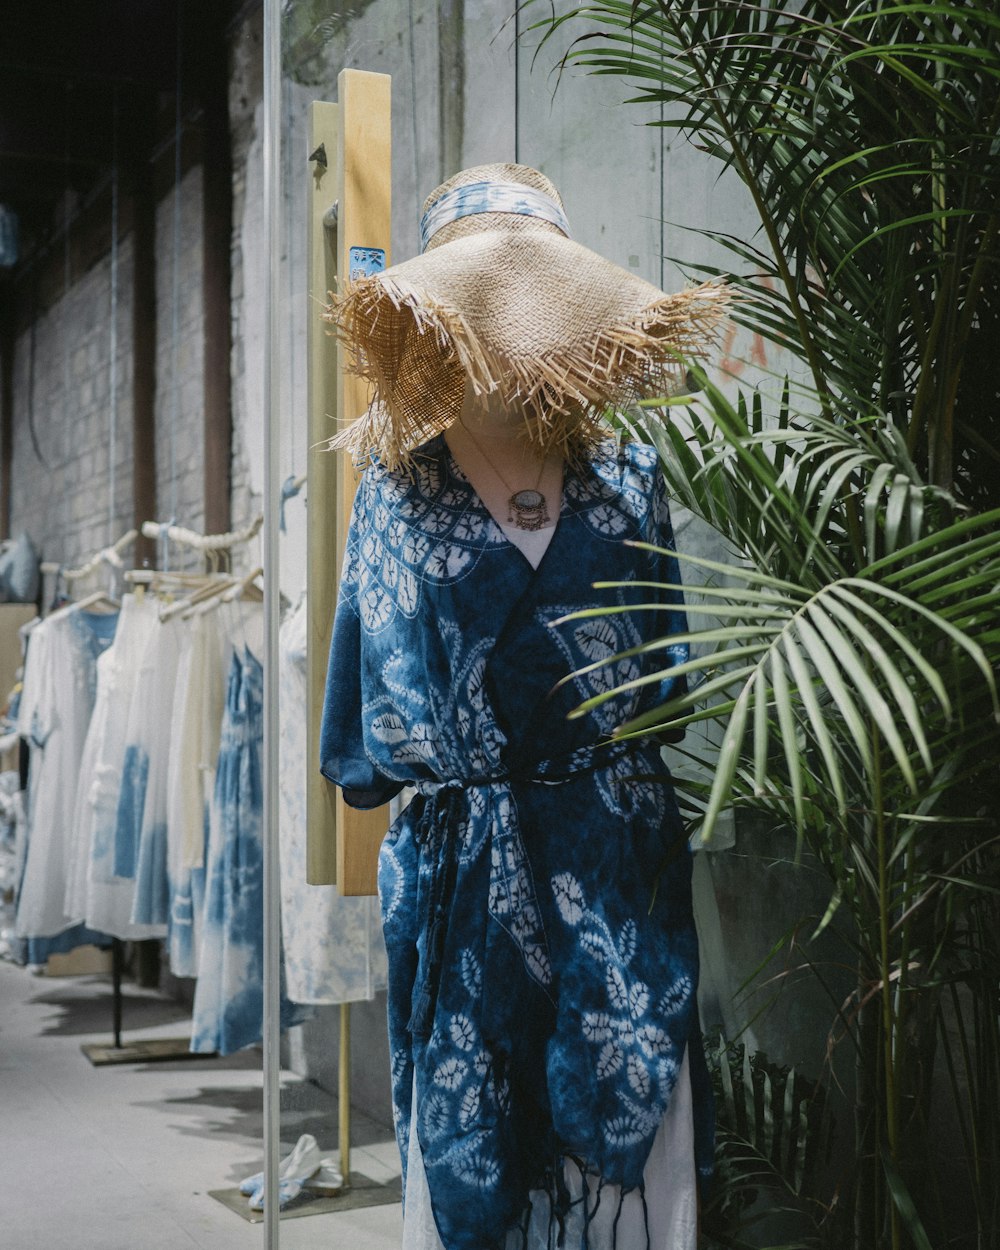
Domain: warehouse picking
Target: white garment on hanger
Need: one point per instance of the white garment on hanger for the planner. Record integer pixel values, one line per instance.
(196, 725)
(98, 896)
(669, 1181)
(56, 705)
(333, 947)
(150, 731)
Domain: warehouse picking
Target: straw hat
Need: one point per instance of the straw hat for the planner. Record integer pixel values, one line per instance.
(502, 296)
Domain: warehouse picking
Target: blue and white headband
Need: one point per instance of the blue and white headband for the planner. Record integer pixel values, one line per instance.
(490, 197)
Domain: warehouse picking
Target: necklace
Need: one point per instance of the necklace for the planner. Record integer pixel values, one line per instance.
(526, 509)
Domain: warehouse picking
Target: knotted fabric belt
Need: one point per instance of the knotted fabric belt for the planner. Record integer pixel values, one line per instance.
(436, 832)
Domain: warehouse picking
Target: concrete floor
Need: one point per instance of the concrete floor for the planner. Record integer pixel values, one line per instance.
(121, 1158)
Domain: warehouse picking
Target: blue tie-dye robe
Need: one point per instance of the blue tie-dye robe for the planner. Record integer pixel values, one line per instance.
(540, 993)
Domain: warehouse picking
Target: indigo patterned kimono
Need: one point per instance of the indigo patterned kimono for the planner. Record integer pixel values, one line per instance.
(541, 994)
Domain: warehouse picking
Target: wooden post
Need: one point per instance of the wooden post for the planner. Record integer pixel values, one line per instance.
(363, 226)
(321, 474)
(360, 162)
(344, 1093)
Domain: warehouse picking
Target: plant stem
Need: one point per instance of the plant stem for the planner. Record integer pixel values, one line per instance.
(888, 1013)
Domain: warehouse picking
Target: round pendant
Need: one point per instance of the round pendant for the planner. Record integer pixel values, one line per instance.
(528, 510)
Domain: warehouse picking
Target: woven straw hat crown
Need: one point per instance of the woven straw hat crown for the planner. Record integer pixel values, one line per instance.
(478, 222)
(506, 302)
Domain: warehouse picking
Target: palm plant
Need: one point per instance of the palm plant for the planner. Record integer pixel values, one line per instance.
(860, 707)
(855, 634)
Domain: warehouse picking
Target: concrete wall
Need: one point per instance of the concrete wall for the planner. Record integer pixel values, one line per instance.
(247, 261)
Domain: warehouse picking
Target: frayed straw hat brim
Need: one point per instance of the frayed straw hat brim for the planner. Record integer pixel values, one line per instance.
(557, 330)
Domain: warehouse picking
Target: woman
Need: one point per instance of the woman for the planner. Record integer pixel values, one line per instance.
(547, 1074)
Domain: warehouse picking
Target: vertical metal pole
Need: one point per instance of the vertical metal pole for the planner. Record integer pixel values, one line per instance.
(344, 1092)
(117, 959)
(272, 247)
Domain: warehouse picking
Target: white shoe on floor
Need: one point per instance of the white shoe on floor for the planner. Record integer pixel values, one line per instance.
(304, 1162)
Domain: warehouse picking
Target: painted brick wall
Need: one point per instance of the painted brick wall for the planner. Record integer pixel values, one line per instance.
(179, 363)
(245, 91)
(66, 429)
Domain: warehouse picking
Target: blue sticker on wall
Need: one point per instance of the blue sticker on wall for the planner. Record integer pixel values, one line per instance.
(364, 261)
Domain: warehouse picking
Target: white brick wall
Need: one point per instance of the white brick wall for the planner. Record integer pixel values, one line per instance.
(62, 496)
(245, 90)
(63, 499)
(180, 363)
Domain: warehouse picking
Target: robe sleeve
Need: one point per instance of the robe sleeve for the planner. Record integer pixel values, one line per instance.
(343, 758)
(673, 620)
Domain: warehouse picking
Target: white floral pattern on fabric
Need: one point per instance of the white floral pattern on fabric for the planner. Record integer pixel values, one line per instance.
(429, 539)
(628, 1042)
(513, 903)
(596, 641)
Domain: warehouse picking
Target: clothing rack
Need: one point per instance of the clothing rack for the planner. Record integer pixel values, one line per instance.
(106, 556)
(179, 1047)
(111, 557)
(202, 542)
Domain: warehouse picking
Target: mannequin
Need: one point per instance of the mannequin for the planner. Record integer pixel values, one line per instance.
(547, 1067)
(487, 444)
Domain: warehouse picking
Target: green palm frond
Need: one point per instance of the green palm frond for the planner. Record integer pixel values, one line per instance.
(848, 644)
(867, 142)
(836, 662)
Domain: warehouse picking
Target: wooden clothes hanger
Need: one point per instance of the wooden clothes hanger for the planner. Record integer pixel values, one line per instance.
(99, 599)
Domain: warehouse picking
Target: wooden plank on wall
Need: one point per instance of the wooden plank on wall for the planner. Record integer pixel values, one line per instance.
(355, 133)
(323, 564)
(363, 222)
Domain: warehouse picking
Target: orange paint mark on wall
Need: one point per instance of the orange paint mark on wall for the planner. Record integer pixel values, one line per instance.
(736, 365)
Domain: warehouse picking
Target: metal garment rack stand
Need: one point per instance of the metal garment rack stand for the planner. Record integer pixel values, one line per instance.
(119, 1053)
(349, 213)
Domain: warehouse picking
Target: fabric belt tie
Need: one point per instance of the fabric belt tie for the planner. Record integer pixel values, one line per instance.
(436, 831)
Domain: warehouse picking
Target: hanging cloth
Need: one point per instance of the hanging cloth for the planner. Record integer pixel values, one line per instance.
(109, 898)
(60, 684)
(334, 952)
(196, 720)
(229, 995)
(91, 889)
(155, 705)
